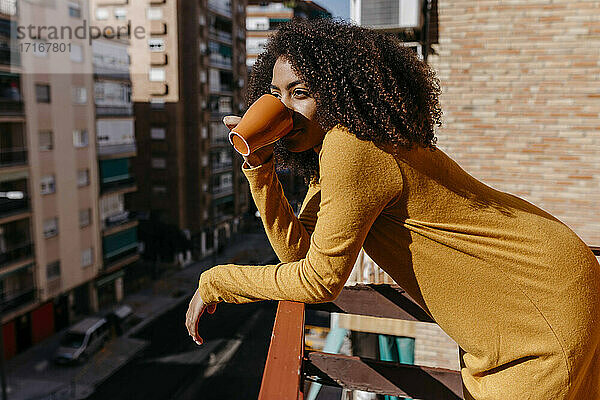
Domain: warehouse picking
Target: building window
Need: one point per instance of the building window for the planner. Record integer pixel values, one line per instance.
(50, 227)
(102, 14)
(159, 189)
(157, 75)
(120, 13)
(47, 184)
(53, 270)
(42, 93)
(76, 53)
(79, 95)
(156, 44)
(159, 162)
(80, 138)
(74, 10)
(158, 133)
(154, 13)
(46, 142)
(83, 177)
(84, 217)
(86, 257)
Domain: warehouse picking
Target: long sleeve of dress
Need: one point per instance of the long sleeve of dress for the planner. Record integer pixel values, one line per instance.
(357, 181)
(289, 235)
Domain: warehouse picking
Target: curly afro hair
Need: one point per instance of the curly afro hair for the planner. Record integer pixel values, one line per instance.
(362, 79)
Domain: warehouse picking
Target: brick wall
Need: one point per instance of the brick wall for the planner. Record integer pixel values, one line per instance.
(521, 82)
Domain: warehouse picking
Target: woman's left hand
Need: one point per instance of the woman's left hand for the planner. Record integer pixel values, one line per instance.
(192, 316)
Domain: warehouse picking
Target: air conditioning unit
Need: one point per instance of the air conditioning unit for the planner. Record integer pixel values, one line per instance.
(387, 14)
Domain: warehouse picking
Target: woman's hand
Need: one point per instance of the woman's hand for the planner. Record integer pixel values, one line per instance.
(192, 316)
(256, 158)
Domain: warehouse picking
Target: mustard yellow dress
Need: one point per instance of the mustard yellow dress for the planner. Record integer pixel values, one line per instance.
(512, 285)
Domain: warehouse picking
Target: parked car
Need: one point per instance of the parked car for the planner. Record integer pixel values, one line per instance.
(82, 340)
(121, 319)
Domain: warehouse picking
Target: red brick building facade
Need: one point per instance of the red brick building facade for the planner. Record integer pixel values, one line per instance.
(521, 83)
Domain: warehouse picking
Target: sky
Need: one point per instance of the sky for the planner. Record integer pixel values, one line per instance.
(338, 8)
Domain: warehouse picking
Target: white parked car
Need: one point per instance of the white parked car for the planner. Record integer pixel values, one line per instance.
(82, 340)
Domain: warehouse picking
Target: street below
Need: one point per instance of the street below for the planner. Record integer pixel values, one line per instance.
(228, 365)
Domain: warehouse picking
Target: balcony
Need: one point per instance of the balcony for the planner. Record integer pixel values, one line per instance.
(219, 191)
(115, 111)
(18, 300)
(218, 7)
(222, 36)
(117, 150)
(15, 253)
(217, 61)
(9, 55)
(11, 108)
(119, 247)
(219, 139)
(117, 220)
(12, 156)
(115, 175)
(221, 167)
(10, 207)
(121, 184)
(289, 367)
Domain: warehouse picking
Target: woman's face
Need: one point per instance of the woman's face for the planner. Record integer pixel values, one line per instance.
(292, 91)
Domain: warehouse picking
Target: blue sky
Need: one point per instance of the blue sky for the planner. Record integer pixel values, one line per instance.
(338, 8)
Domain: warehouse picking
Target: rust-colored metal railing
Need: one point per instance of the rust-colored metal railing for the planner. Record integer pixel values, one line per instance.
(287, 365)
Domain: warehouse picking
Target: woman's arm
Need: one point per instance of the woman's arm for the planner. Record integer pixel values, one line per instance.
(289, 236)
(358, 180)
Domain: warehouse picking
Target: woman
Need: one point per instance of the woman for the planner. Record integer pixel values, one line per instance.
(512, 285)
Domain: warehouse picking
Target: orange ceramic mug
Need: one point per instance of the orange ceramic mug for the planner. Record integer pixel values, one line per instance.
(266, 121)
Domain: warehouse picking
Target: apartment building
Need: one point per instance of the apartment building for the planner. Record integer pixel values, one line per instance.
(66, 140)
(50, 249)
(187, 72)
(262, 19)
(115, 141)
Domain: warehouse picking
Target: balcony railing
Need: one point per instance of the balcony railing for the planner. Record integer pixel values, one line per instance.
(124, 252)
(13, 206)
(118, 219)
(222, 190)
(105, 150)
(17, 300)
(16, 253)
(219, 7)
(219, 139)
(223, 88)
(218, 167)
(220, 62)
(125, 110)
(288, 366)
(221, 35)
(117, 184)
(11, 107)
(13, 156)
(10, 56)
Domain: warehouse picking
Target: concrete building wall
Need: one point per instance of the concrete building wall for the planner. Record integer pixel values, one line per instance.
(521, 83)
(62, 115)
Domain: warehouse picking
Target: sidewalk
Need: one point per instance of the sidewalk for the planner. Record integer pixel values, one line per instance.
(32, 374)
